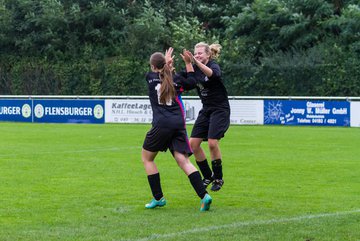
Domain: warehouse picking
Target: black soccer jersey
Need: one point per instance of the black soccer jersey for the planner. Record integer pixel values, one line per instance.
(170, 115)
(211, 90)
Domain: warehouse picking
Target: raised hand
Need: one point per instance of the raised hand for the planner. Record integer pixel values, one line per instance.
(187, 56)
(169, 58)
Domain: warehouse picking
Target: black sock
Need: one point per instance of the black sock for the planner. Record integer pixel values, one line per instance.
(154, 181)
(204, 168)
(196, 182)
(217, 169)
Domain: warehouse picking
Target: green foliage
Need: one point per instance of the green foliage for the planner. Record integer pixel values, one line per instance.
(287, 48)
(103, 47)
(147, 33)
(187, 31)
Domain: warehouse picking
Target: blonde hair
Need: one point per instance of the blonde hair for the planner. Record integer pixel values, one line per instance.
(213, 50)
(167, 89)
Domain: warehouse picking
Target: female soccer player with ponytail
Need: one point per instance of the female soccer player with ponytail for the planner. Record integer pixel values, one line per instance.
(214, 117)
(168, 129)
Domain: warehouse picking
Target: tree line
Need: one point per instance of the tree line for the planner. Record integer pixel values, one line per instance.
(102, 47)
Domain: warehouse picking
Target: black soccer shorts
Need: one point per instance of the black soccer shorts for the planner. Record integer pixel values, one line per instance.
(211, 124)
(161, 139)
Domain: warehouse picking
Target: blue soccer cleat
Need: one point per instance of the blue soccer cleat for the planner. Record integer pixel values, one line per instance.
(205, 203)
(155, 203)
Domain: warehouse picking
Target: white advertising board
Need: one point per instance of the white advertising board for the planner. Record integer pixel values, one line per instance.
(355, 114)
(128, 111)
(243, 112)
(247, 112)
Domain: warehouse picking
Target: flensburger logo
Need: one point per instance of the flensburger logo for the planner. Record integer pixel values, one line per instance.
(98, 111)
(26, 110)
(39, 111)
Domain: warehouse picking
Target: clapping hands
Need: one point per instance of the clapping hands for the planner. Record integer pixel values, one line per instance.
(187, 56)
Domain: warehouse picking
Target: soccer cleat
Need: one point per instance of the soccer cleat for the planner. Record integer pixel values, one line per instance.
(207, 182)
(155, 203)
(205, 203)
(217, 184)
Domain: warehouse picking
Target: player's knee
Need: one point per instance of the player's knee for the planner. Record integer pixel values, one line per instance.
(194, 145)
(182, 163)
(213, 144)
(146, 159)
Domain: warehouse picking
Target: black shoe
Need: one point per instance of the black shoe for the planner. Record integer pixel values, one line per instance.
(207, 182)
(217, 184)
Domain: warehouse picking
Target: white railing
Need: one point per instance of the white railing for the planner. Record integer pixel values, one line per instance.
(348, 98)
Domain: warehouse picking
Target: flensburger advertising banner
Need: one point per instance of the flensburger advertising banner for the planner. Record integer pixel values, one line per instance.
(311, 112)
(69, 111)
(15, 110)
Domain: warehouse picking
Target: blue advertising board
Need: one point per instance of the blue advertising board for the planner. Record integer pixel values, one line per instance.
(69, 111)
(15, 110)
(307, 112)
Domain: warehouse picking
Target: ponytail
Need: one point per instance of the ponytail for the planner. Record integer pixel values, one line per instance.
(167, 89)
(215, 50)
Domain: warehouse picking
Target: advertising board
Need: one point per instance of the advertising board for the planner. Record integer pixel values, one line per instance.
(16, 110)
(307, 112)
(69, 111)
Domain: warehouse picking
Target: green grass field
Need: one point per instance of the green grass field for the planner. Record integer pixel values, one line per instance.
(87, 182)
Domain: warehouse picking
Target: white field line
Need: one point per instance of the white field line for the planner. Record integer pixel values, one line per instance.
(248, 223)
